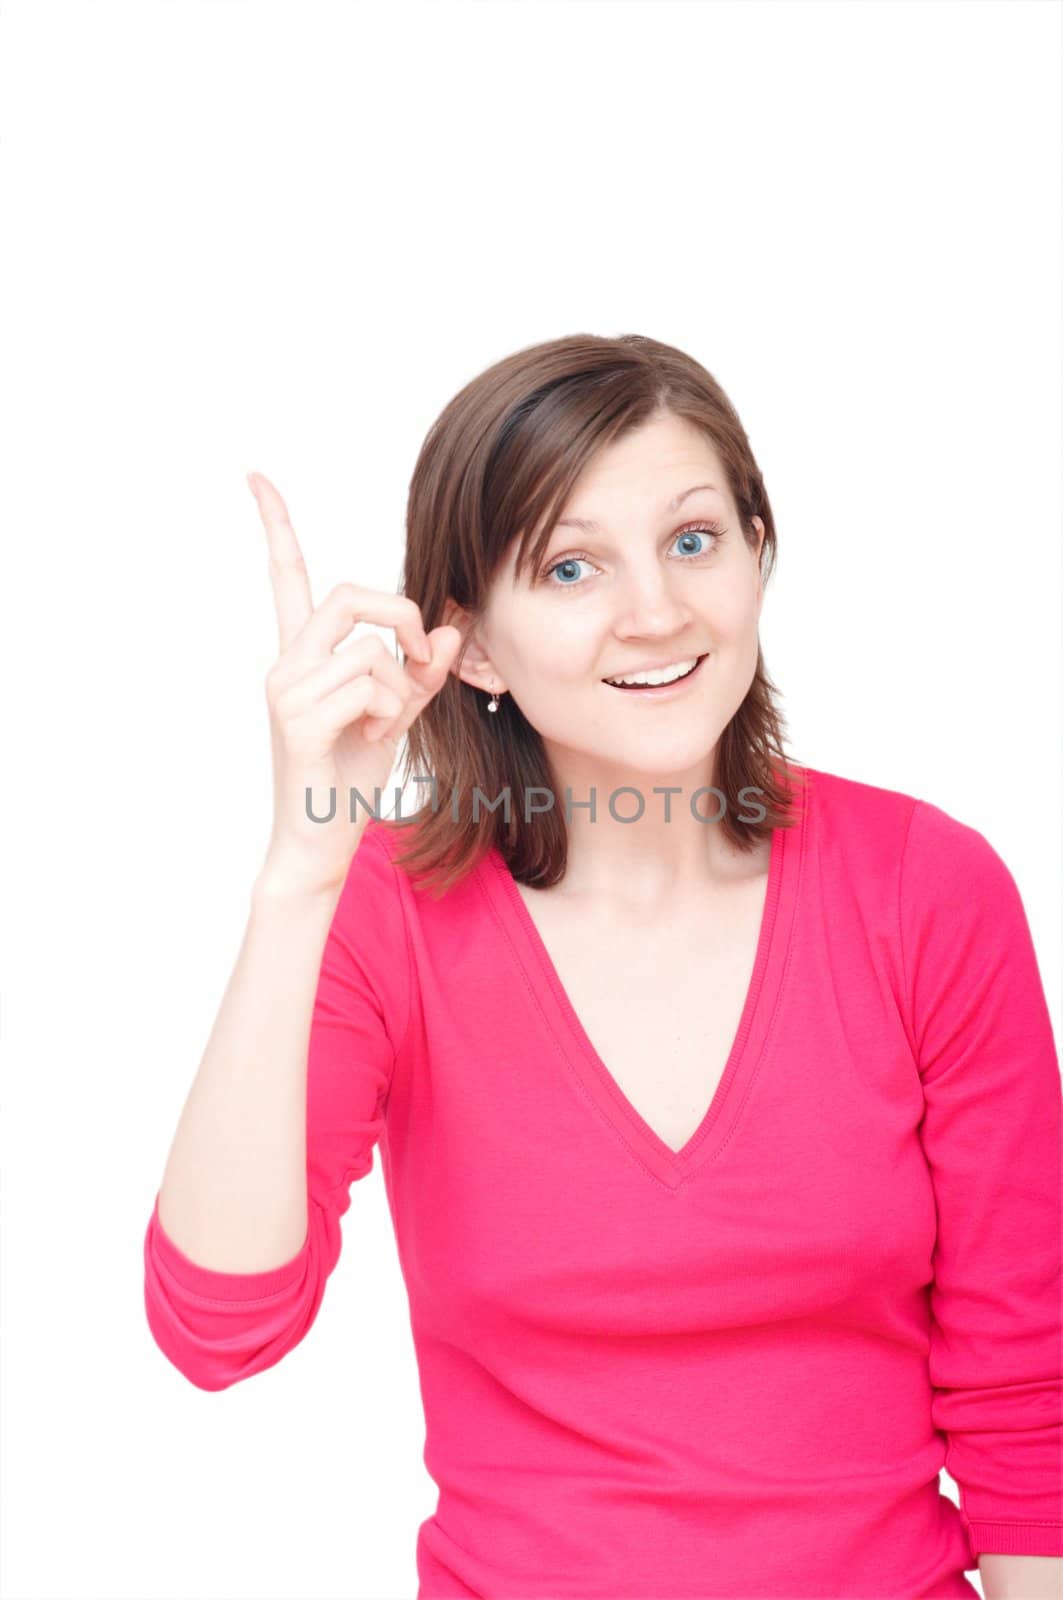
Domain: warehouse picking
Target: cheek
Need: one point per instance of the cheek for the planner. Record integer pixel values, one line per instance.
(561, 648)
(733, 614)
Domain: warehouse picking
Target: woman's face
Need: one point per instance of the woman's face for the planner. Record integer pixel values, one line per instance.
(654, 582)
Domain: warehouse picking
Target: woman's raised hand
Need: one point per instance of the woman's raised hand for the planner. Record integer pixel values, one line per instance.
(336, 716)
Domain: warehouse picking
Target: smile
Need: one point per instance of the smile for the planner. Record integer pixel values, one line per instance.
(666, 681)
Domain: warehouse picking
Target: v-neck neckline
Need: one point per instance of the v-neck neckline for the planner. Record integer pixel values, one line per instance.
(672, 1167)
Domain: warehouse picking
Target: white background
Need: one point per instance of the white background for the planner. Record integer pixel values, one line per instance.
(281, 237)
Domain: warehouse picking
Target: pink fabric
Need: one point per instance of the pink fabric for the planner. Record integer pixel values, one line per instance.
(732, 1371)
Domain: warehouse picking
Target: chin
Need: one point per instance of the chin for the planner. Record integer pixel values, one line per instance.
(663, 758)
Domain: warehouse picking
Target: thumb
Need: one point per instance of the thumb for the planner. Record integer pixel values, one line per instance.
(444, 642)
(430, 676)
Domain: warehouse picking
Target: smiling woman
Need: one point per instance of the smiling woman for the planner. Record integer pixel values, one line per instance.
(724, 1161)
(635, 447)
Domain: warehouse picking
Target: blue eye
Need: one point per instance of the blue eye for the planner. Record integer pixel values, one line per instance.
(560, 566)
(689, 536)
(691, 533)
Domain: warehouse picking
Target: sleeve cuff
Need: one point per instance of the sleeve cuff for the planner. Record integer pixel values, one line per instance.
(1016, 1538)
(208, 1284)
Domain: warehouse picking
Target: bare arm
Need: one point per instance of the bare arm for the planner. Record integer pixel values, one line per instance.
(233, 1195)
(234, 1192)
(1021, 1577)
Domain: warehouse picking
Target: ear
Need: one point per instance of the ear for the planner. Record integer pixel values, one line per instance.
(472, 665)
(759, 525)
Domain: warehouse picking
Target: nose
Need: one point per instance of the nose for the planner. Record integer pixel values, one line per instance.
(649, 604)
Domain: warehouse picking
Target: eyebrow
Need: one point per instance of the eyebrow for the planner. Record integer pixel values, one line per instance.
(587, 525)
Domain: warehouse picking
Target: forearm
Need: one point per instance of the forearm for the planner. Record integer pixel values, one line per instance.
(1021, 1577)
(233, 1196)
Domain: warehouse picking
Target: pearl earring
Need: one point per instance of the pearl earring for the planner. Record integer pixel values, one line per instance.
(492, 704)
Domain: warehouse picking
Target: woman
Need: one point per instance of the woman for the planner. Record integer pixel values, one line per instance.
(716, 1097)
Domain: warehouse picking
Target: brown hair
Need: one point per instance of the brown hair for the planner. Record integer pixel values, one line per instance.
(499, 464)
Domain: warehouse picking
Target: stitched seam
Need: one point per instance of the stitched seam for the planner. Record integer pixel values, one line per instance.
(409, 968)
(1009, 1522)
(908, 1018)
(771, 1037)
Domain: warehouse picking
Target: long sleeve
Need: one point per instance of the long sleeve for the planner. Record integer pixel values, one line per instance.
(219, 1327)
(991, 1132)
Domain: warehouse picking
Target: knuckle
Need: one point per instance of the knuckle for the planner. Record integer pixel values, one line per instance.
(280, 672)
(282, 701)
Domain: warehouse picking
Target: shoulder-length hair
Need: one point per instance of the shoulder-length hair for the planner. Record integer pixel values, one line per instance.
(498, 465)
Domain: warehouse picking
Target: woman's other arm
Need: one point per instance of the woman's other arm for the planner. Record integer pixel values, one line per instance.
(1021, 1577)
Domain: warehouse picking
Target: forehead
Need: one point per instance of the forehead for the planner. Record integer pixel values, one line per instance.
(679, 499)
(648, 470)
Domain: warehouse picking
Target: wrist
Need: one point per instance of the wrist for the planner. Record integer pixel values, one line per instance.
(292, 886)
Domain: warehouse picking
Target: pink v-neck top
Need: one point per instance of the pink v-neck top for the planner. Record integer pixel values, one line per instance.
(734, 1370)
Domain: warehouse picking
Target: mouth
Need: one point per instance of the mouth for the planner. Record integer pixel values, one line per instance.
(660, 691)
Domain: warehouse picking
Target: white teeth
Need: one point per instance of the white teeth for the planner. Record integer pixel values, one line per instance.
(662, 675)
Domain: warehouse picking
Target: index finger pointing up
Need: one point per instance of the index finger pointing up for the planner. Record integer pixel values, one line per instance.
(287, 569)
